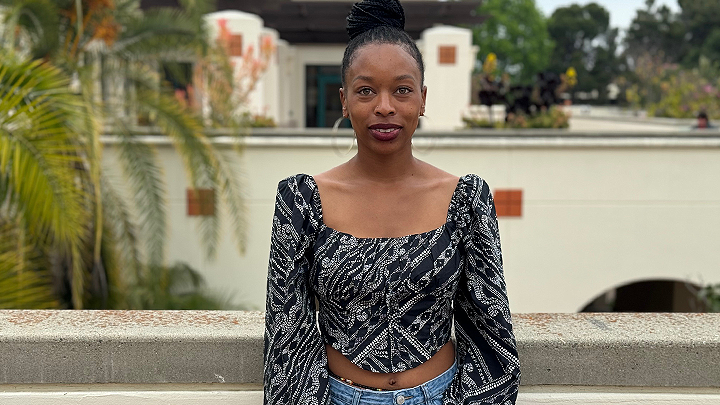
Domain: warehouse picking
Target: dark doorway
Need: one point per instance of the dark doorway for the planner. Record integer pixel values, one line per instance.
(649, 296)
(322, 97)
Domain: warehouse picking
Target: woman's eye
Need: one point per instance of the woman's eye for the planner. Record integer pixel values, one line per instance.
(365, 91)
(404, 90)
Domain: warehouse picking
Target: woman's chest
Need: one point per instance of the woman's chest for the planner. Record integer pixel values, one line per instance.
(388, 213)
(348, 271)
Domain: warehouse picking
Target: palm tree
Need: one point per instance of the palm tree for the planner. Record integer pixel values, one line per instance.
(42, 212)
(110, 52)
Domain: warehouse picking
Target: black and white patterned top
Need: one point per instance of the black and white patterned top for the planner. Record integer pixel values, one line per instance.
(387, 304)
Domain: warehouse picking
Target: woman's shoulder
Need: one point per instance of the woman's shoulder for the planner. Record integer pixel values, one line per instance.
(473, 196)
(302, 180)
(474, 184)
(299, 186)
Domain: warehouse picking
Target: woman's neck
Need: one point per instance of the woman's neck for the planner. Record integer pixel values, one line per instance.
(385, 168)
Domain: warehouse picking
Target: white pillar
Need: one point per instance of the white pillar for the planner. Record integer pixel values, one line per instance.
(251, 28)
(449, 59)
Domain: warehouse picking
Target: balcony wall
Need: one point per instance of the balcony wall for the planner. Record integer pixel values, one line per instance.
(215, 357)
(599, 209)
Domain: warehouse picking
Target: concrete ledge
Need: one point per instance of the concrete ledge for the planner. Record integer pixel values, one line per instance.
(131, 347)
(219, 397)
(641, 350)
(191, 347)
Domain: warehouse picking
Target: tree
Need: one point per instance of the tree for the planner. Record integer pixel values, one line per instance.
(99, 48)
(701, 19)
(656, 31)
(516, 32)
(584, 40)
(42, 213)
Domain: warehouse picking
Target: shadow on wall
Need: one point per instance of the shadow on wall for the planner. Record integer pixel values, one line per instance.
(650, 296)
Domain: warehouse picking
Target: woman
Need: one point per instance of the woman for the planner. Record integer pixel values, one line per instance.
(396, 252)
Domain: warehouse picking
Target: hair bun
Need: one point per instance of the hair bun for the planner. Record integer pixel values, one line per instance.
(369, 14)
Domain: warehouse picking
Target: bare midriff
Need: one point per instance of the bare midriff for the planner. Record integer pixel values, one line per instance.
(436, 365)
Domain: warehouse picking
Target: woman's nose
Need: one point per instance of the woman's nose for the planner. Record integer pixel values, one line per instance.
(385, 106)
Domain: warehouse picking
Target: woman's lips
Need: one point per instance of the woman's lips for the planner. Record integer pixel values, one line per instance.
(385, 132)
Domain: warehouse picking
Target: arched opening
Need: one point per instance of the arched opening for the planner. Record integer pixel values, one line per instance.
(649, 296)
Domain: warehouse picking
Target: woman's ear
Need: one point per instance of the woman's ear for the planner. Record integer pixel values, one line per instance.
(424, 97)
(343, 100)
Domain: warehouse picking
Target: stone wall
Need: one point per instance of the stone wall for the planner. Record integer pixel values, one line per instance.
(215, 357)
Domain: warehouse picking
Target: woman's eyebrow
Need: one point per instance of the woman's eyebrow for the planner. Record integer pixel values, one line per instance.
(403, 77)
(365, 78)
(396, 78)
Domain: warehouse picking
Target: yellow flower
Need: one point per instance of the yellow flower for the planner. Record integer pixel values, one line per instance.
(490, 64)
(571, 75)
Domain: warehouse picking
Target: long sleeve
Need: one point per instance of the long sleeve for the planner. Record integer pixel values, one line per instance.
(295, 362)
(488, 365)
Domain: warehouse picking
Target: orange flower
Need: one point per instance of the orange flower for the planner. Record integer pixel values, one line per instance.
(107, 30)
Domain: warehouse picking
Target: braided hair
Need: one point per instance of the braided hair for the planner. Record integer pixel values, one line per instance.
(378, 22)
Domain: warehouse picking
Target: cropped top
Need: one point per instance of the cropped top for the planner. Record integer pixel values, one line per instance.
(387, 304)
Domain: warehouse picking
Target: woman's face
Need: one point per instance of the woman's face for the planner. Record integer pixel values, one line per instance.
(383, 97)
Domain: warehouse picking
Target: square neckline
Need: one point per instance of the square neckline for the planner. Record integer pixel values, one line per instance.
(316, 195)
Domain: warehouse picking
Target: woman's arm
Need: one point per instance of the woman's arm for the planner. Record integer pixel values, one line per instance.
(294, 357)
(488, 365)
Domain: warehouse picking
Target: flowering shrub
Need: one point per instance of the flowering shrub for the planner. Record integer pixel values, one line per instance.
(553, 117)
(258, 121)
(666, 90)
(227, 85)
(475, 122)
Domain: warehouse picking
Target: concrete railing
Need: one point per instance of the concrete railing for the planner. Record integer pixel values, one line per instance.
(215, 357)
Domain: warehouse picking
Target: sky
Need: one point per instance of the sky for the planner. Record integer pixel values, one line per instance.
(621, 11)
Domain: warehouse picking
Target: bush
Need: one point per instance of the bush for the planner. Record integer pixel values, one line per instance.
(710, 295)
(667, 90)
(474, 122)
(258, 121)
(174, 288)
(552, 118)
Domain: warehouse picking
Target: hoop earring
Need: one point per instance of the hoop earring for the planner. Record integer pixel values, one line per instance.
(334, 138)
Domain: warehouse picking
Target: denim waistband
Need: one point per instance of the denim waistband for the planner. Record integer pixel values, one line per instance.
(418, 395)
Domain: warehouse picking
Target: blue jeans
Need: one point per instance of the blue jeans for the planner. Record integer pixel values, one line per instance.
(429, 393)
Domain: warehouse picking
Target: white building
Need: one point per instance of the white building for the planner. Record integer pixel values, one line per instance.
(300, 86)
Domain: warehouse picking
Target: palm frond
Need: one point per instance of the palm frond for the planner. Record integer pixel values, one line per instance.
(44, 159)
(159, 31)
(123, 230)
(25, 281)
(185, 132)
(194, 149)
(176, 287)
(38, 19)
(37, 152)
(141, 169)
(145, 176)
(232, 195)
